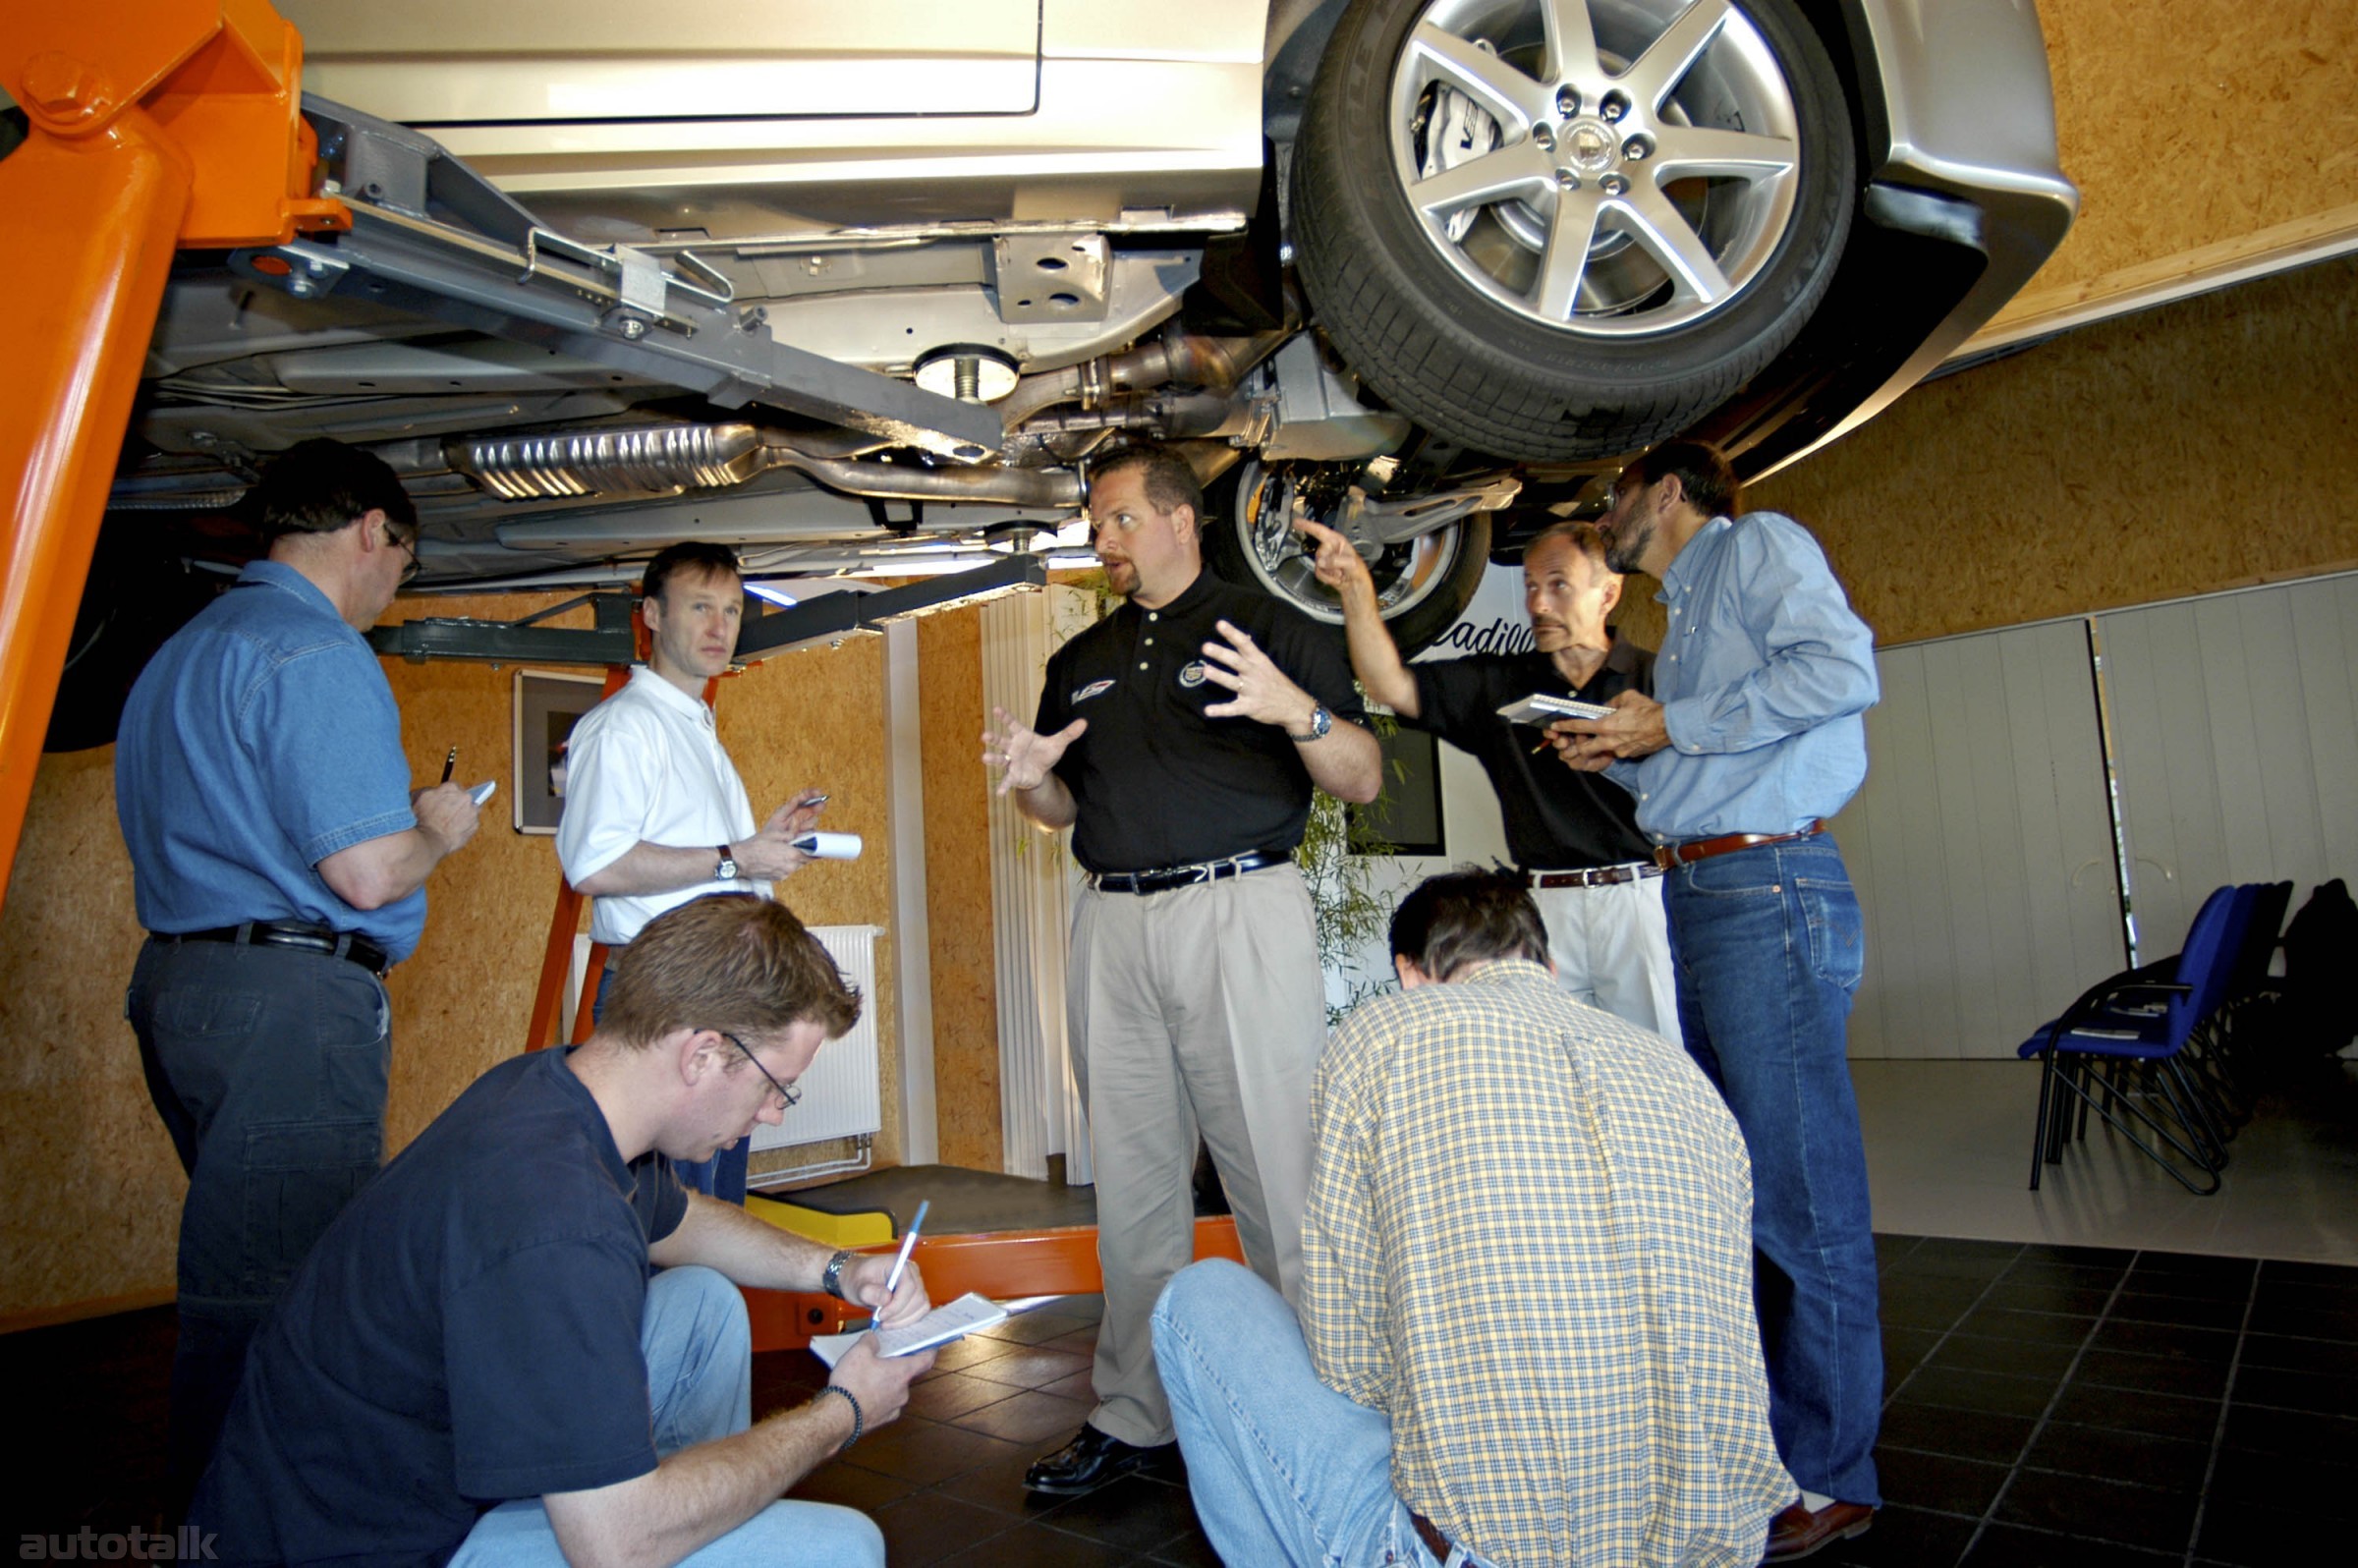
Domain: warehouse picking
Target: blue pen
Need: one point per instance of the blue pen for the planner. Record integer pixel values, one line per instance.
(892, 1281)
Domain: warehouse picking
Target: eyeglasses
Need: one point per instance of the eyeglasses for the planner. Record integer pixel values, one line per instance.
(789, 1096)
(409, 545)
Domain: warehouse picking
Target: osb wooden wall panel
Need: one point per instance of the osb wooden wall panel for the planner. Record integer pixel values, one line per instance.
(2195, 447)
(2195, 127)
(815, 719)
(86, 1168)
(958, 906)
(91, 1187)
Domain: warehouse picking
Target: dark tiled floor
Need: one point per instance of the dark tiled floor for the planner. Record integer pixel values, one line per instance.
(2067, 1406)
(945, 1482)
(2086, 1406)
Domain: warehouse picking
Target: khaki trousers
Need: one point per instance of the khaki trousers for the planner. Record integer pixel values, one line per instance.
(1201, 1008)
(1611, 949)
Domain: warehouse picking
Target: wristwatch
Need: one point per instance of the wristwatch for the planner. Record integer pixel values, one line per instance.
(726, 870)
(1320, 721)
(832, 1280)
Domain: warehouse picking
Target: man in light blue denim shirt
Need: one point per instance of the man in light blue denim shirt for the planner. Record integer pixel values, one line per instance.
(1753, 736)
(278, 863)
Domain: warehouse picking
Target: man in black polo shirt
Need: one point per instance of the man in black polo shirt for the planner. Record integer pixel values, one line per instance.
(1592, 873)
(1180, 739)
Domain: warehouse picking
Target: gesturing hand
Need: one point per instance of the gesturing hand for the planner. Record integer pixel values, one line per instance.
(1338, 564)
(1021, 754)
(1263, 690)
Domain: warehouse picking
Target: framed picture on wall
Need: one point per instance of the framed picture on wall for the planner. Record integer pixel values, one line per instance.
(548, 704)
(1407, 816)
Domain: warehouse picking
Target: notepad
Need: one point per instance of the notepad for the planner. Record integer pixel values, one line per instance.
(939, 1327)
(1538, 709)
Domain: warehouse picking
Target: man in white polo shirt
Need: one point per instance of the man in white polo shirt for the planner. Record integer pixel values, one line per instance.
(654, 812)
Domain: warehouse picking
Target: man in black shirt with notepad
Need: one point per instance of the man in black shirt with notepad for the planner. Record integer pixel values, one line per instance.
(1592, 873)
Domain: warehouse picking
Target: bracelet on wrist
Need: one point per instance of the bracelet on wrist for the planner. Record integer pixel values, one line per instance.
(832, 1280)
(859, 1420)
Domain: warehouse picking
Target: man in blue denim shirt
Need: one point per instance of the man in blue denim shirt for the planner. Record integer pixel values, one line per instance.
(279, 863)
(1752, 736)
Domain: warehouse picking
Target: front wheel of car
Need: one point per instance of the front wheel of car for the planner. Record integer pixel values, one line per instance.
(1423, 585)
(1561, 229)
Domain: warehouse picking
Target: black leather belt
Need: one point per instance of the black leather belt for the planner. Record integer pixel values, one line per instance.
(1597, 876)
(291, 934)
(1171, 877)
(1430, 1534)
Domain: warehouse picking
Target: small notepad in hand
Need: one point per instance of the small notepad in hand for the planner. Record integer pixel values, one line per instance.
(939, 1327)
(1539, 710)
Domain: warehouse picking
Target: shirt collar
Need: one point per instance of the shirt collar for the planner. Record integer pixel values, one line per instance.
(279, 575)
(1505, 972)
(1688, 560)
(662, 690)
(585, 1105)
(1189, 597)
(1621, 656)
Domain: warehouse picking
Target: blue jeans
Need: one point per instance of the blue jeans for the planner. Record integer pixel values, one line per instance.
(267, 1066)
(1283, 1468)
(1768, 947)
(700, 1365)
(723, 1175)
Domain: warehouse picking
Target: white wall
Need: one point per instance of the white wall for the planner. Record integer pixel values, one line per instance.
(1471, 830)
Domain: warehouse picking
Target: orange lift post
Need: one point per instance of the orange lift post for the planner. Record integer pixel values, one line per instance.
(155, 124)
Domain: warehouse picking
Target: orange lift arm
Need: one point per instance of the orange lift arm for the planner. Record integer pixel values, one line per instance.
(155, 124)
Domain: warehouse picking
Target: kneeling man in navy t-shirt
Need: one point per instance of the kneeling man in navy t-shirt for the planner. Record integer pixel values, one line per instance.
(474, 1363)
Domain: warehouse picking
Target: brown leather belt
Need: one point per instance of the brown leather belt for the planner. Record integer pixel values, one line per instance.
(1434, 1542)
(1597, 876)
(1667, 856)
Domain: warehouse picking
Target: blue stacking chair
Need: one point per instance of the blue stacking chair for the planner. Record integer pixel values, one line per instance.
(2122, 1049)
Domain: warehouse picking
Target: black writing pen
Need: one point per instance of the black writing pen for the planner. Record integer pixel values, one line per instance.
(449, 763)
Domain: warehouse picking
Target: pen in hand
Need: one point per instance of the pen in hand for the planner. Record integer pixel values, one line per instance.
(449, 763)
(892, 1281)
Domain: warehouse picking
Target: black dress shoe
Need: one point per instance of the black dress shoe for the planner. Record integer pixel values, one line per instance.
(1090, 1459)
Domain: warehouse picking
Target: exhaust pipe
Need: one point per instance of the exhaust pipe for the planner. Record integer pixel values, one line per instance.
(667, 459)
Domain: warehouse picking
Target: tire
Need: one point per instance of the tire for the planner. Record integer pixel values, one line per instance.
(1455, 318)
(1429, 582)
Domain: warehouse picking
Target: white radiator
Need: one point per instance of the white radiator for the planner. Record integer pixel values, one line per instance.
(840, 1094)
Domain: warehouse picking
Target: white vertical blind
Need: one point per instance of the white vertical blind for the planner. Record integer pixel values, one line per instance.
(1981, 844)
(1031, 877)
(2237, 742)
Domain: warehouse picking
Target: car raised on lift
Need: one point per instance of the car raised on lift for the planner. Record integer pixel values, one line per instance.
(864, 289)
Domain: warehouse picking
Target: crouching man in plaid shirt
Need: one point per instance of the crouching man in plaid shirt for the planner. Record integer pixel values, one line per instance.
(1527, 1331)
